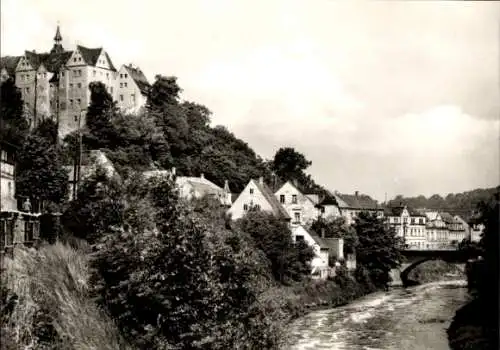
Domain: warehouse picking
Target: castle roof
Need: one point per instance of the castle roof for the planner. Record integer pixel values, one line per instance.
(9, 63)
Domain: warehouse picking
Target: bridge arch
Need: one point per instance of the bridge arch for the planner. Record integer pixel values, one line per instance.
(417, 258)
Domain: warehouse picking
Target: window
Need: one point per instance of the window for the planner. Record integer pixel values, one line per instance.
(245, 207)
(71, 85)
(421, 221)
(125, 75)
(132, 98)
(62, 74)
(79, 102)
(282, 198)
(121, 85)
(121, 98)
(121, 76)
(257, 206)
(71, 103)
(107, 75)
(299, 238)
(125, 84)
(76, 118)
(251, 191)
(27, 90)
(79, 85)
(296, 216)
(75, 73)
(10, 188)
(294, 198)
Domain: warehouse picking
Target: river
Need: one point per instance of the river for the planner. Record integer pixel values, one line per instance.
(411, 319)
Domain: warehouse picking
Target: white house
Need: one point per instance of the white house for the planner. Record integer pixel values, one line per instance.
(328, 206)
(195, 187)
(437, 231)
(299, 206)
(319, 264)
(257, 195)
(408, 224)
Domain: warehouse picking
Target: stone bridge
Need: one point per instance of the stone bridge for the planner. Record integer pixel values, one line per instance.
(417, 257)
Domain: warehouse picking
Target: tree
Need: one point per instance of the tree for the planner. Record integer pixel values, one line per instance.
(272, 236)
(379, 249)
(13, 124)
(289, 164)
(191, 285)
(100, 113)
(337, 228)
(40, 173)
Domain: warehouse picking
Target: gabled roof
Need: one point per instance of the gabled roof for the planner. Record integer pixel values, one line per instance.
(277, 208)
(319, 241)
(447, 218)
(55, 61)
(361, 202)
(90, 56)
(199, 184)
(10, 63)
(298, 190)
(139, 78)
(328, 199)
(34, 58)
(394, 211)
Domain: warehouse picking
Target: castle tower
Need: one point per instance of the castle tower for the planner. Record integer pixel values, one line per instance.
(58, 48)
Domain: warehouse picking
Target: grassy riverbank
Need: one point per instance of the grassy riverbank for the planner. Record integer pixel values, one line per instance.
(436, 270)
(46, 304)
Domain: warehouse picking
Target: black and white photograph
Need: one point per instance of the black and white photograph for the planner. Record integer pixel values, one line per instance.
(249, 175)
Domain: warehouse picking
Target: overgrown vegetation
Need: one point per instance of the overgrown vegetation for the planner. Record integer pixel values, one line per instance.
(436, 270)
(46, 302)
(475, 326)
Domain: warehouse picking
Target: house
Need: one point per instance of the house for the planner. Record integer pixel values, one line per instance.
(437, 231)
(7, 177)
(56, 83)
(327, 206)
(299, 206)
(92, 160)
(351, 205)
(257, 194)
(196, 187)
(319, 264)
(409, 224)
(15, 227)
(457, 231)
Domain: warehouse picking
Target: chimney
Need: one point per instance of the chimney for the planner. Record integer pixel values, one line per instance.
(295, 183)
(261, 180)
(173, 171)
(356, 193)
(202, 175)
(226, 186)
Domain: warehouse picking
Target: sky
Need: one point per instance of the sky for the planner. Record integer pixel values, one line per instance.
(384, 98)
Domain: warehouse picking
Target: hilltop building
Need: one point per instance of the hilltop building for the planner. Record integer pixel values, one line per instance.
(55, 84)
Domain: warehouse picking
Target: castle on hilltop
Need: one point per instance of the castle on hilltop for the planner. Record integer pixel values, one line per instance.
(55, 84)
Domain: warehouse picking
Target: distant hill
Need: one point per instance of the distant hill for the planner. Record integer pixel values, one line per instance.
(456, 203)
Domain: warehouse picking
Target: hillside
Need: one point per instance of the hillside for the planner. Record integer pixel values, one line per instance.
(457, 203)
